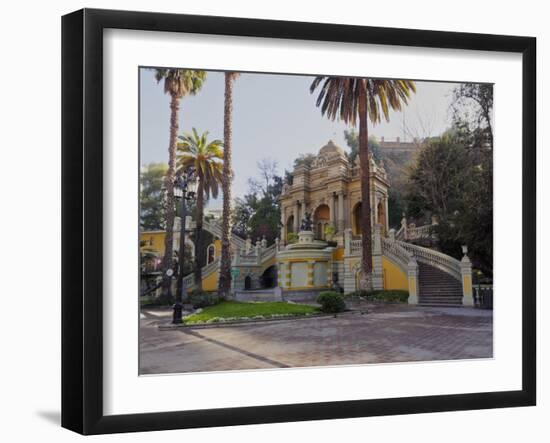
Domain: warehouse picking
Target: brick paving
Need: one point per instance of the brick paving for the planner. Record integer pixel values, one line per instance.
(387, 334)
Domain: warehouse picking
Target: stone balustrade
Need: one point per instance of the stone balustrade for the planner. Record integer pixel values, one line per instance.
(434, 258)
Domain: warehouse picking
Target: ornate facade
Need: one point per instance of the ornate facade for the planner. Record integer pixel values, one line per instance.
(327, 193)
(330, 189)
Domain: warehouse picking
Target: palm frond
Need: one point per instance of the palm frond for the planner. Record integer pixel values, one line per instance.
(338, 97)
(180, 82)
(194, 151)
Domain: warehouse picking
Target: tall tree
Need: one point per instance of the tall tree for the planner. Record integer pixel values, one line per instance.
(436, 182)
(258, 213)
(177, 84)
(196, 153)
(224, 284)
(150, 200)
(352, 140)
(355, 100)
(453, 179)
(473, 104)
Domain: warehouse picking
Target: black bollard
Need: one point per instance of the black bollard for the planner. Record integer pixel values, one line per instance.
(176, 318)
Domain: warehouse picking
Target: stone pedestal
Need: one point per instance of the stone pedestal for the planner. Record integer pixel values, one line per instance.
(305, 265)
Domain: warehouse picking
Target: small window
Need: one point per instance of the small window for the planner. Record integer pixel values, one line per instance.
(211, 254)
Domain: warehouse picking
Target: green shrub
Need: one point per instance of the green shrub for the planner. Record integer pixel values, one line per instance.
(331, 302)
(291, 238)
(200, 299)
(356, 295)
(384, 296)
(330, 230)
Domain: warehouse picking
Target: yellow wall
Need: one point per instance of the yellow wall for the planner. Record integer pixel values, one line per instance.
(210, 283)
(218, 247)
(338, 254)
(394, 277)
(154, 240)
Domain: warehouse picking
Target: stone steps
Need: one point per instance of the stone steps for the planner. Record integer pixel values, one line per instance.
(437, 288)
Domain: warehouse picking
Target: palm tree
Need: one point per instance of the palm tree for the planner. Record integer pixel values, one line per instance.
(352, 99)
(177, 83)
(224, 284)
(196, 153)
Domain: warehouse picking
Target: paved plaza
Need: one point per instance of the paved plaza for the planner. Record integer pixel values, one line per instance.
(386, 334)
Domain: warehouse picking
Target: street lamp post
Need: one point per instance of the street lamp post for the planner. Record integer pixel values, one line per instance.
(185, 187)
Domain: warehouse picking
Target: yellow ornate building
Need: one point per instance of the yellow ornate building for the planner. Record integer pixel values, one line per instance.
(329, 255)
(330, 189)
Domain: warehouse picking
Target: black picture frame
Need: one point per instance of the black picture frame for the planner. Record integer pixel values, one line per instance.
(82, 218)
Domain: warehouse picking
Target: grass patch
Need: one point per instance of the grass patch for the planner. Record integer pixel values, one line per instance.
(232, 310)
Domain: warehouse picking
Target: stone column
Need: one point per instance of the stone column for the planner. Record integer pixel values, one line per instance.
(347, 242)
(310, 265)
(258, 252)
(329, 273)
(341, 214)
(404, 226)
(375, 212)
(466, 274)
(296, 216)
(387, 215)
(280, 275)
(377, 266)
(288, 275)
(303, 215)
(331, 209)
(284, 232)
(412, 276)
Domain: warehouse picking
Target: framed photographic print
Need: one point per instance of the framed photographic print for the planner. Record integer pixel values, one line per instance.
(270, 221)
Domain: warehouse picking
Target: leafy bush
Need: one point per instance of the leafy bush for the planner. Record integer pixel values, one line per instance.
(356, 295)
(331, 302)
(384, 296)
(390, 296)
(330, 230)
(203, 299)
(291, 238)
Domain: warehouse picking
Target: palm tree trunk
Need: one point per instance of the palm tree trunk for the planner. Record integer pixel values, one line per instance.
(366, 233)
(224, 284)
(167, 261)
(198, 234)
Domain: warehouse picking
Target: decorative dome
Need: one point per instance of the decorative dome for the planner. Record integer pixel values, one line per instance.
(330, 149)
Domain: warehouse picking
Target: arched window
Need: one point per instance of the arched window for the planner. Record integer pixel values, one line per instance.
(319, 233)
(210, 254)
(321, 218)
(290, 224)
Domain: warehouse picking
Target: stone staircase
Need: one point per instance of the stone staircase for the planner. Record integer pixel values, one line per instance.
(438, 288)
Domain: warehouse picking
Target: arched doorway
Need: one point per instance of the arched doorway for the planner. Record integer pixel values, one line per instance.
(356, 219)
(321, 219)
(247, 282)
(289, 225)
(269, 277)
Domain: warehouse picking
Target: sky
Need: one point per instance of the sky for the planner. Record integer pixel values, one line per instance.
(275, 117)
